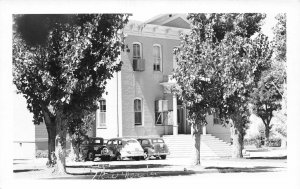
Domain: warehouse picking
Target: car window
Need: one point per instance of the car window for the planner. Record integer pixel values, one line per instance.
(115, 142)
(109, 142)
(97, 141)
(157, 141)
(119, 142)
(145, 142)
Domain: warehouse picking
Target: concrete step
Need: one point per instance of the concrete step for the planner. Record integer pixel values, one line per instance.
(211, 146)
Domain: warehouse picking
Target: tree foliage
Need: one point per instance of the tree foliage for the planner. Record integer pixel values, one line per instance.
(219, 63)
(72, 68)
(270, 89)
(61, 64)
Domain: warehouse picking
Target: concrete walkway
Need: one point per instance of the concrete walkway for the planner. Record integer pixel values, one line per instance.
(257, 162)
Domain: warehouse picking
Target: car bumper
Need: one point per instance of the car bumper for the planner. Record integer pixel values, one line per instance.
(132, 154)
(159, 153)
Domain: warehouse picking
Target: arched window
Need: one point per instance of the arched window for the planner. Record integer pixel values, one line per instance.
(136, 50)
(102, 113)
(138, 111)
(157, 57)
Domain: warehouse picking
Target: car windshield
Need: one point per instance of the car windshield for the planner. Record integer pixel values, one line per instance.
(131, 141)
(155, 141)
(97, 141)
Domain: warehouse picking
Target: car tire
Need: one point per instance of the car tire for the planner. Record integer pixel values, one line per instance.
(105, 158)
(138, 158)
(163, 157)
(118, 157)
(90, 156)
(146, 156)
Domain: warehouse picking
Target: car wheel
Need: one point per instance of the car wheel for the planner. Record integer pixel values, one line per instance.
(146, 156)
(105, 158)
(118, 158)
(138, 158)
(90, 156)
(163, 157)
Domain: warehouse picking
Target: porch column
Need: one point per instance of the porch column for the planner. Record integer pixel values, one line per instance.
(204, 130)
(175, 124)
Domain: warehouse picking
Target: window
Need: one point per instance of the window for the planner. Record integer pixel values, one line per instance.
(155, 141)
(136, 51)
(175, 62)
(216, 115)
(137, 112)
(158, 118)
(109, 142)
(115, 142)
(145, 142)
(102, 121)
(157, 64)
(161, 112)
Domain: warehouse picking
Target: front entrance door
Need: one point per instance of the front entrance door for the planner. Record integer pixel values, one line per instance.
(183, 127)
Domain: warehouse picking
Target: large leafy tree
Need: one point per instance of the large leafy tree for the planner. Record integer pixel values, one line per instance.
(280, 64)
(270, 90)
(61, 64)
(218, 64)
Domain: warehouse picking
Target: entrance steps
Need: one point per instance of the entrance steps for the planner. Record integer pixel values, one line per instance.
(210, 146)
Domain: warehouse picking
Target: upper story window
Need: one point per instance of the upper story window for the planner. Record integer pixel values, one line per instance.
(137, 50)
(102, 113)
(138, 112)
(157, 56)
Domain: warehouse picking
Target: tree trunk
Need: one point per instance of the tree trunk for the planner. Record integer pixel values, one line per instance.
(60, 144)
(51, 143)
(74, 153)
(267, 134)
(51, 130)
(237, 139)
(237, 145)
(196, 134)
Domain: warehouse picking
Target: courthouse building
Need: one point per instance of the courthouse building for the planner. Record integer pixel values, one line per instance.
(139, 101)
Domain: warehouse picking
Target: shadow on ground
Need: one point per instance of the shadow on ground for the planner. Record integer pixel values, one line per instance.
(26, 170)
(279, 157)
(257, 169)
(111, 174)
(101, 175)
(108, 166)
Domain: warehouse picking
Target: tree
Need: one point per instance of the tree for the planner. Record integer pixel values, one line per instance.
(270, 89)
(61, 64)
(217, 65)
(267, 95)
(280, 61)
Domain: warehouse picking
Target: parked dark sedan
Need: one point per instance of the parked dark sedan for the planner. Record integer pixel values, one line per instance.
(154, 147)
(94, 147)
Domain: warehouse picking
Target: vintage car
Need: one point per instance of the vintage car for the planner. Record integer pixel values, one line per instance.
(154, 147)
(94, 147)
(125, 148)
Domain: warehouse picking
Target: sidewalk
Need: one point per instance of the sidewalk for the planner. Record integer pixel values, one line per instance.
(257, 162)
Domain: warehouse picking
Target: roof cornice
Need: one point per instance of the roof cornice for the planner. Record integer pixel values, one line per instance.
(150, 30)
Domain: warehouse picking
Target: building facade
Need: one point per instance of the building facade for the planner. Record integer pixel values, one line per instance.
(139, 100)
